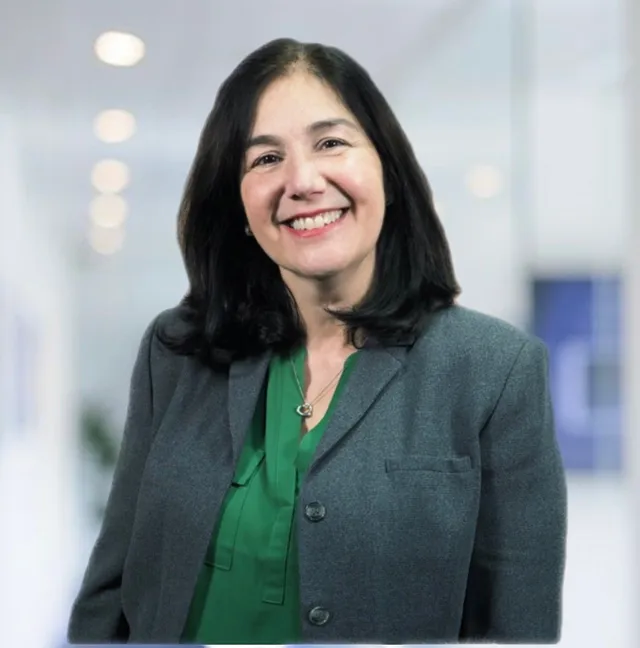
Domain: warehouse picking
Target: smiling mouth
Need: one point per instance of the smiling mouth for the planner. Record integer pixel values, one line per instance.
(316, 222)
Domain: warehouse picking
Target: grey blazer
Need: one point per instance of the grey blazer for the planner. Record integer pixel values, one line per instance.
(439, 473)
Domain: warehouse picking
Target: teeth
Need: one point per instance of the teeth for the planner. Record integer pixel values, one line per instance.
(317, 221)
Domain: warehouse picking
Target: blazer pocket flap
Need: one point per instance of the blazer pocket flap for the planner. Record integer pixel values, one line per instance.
(429, 463)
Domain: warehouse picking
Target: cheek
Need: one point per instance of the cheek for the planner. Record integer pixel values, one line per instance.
(256, 201)
(363, 180)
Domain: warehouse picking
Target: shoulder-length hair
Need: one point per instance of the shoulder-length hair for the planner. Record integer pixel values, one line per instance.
(237, 305)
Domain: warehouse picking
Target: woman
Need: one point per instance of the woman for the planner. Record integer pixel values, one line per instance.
(320, 445)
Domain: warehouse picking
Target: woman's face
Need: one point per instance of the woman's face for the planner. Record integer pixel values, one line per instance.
(312, 183)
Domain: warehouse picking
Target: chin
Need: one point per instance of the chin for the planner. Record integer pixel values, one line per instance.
(321, 274)
(319, 268)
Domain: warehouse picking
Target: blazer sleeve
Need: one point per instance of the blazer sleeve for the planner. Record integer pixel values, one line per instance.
(97, 615)
(514, 589)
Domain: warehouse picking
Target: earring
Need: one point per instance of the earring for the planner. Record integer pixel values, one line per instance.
(247, 230)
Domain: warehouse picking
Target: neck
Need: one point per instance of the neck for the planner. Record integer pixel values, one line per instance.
(312, 297)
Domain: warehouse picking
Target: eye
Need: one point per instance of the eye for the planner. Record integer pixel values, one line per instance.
(263, 160)
(331, 143)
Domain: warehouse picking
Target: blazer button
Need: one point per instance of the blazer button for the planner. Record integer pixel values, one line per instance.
(318, 616)
(315, 512)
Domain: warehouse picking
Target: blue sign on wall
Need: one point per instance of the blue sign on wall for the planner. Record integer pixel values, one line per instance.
(580, 321)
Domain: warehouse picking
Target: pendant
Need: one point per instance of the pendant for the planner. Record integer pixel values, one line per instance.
(305, 410)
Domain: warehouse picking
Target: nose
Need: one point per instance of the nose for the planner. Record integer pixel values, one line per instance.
(303, 178)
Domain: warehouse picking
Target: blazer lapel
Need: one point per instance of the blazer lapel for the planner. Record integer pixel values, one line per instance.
(375, 368)
(208, 468)
(246, 378)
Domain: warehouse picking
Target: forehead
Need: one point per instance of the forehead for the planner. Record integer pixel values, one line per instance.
(296, 100)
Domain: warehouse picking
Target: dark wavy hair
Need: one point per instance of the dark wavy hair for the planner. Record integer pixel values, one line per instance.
(237, 305)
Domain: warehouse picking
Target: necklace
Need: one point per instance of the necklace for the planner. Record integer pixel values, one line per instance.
(306, 409)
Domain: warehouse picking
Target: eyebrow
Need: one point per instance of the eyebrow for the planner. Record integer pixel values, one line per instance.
(312, 129)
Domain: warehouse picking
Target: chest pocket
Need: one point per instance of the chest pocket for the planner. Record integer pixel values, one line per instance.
(420, 463)
(221, 548)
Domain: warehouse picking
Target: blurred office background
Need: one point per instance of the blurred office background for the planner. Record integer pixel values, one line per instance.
(523, 114)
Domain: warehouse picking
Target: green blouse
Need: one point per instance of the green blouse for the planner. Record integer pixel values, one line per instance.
(248, 591)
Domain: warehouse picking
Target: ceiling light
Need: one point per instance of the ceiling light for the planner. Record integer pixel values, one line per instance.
(484, 181)
(108, 211)
(114, 126)
(106, 241)
(119, 49)
(110, 176)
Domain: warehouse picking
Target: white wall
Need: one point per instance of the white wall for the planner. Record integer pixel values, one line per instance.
(578, 174)
(575, 218)
(632, 290)
(449, 139)
(37, 487)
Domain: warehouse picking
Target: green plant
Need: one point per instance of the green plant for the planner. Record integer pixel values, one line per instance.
(100, 448)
